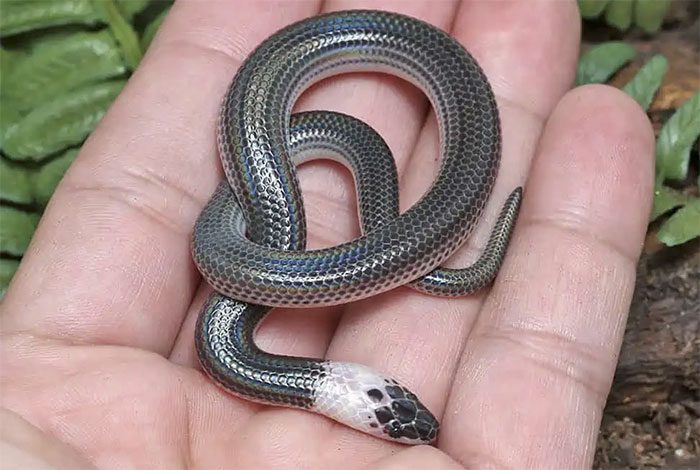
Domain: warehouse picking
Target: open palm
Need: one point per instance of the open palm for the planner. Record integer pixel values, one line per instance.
(97, 341)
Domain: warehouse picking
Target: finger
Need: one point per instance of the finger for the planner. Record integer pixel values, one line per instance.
(540, 360)
(418, 338)
(110, 262)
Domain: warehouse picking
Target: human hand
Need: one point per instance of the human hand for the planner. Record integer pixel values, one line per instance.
(98, 324)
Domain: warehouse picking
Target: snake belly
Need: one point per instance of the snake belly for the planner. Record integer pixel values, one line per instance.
(249, 240)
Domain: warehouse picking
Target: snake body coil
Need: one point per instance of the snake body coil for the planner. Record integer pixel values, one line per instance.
(249, 240)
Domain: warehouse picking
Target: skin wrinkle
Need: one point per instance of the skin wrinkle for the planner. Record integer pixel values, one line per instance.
(394, 331)
(523, 423)
(145, 200)
(50, 422)
(573, 225)
(181, 352)
(179, 47)
(186, 448)
(584, 258)
(265, 420)
(115, 404)
(31, 440)
(74, 329)
(539, 117)
(534, 346)
(169, 189)
(212, 397)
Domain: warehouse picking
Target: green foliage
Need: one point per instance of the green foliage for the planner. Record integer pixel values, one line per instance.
(124, 33)
(130, 8)
(150, 32)
(7, 58)
(648, 15)
(48, 177)
(592, 8)
(16, 229)
(601, 61)
(9, 117)
(7, 270)
(619, 14)
(19, 16)
(15, 184)
(55, 67)
(683, 225)
(672, 159)
(675, 141)
(666, 199)
(61, 123)
(644, 85)
(62, 63)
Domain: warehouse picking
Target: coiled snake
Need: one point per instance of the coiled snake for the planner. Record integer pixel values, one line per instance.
(249, 240)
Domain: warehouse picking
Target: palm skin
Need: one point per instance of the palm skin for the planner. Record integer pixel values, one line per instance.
(98, 365)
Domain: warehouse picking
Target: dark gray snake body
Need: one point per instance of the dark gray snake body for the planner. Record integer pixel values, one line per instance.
(249, 240)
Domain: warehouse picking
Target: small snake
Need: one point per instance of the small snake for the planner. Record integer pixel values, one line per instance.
(250, 238)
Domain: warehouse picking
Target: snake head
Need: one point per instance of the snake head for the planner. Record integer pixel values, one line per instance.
(359, 397)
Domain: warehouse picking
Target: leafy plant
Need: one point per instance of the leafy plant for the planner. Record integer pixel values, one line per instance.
(62, 63)
(623, 14)
(602, 61)
(673, 145)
